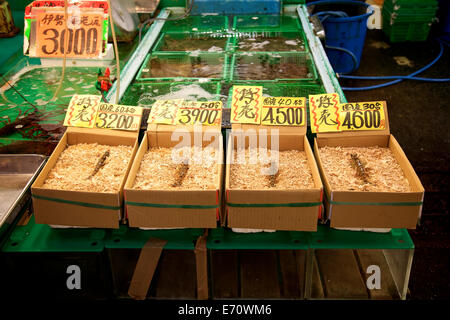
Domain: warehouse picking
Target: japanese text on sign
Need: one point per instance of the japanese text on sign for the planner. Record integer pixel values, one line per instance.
(85, 34)
(103, 4)
(82, 111)
(362, 116)
(165, 111)
(283, 111)
(324, 112)
(246, 104)
(88, 111)
(206, 113)
(111, 116)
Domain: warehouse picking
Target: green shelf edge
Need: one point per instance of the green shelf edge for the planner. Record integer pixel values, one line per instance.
(329, 238)
(134, 238)
(224, 238)
(324, 238)
(35, 237)
(42, 238)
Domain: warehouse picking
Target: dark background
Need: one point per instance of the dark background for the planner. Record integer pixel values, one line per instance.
(419, 116)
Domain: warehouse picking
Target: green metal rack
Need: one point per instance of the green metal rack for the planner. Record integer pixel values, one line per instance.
(183, 60)
(264, 34)
(207, 24)
(145, 94)
(249, 23)
(223, 239)
(34, 237)
(266, 59)
(220, 41)
(408, 20)
(135, 238)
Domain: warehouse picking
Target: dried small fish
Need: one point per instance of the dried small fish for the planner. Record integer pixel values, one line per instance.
(293, 173)
(273, 178)
(383, 171)
(361, 171)
(77, 161)
(100, 164)
(180, 173)
(158, 171)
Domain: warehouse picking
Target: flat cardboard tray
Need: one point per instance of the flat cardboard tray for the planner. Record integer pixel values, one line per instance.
(293, 210)
(169, 208)
(359, 209)
(77, 208)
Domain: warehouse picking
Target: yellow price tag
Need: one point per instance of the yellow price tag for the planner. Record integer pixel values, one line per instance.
(324, 112)
(112, 116)
(85, 33)
(283, 111)
(82, 111)
(165, 111)
(246, 104)
(362, 116)
(204, 112)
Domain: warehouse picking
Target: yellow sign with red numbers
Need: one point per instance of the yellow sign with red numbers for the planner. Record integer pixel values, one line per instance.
(113, 116)
(84, 37)
(362, 116)
(88, 111)
(200, 112)
(283, 111)
(327, 114)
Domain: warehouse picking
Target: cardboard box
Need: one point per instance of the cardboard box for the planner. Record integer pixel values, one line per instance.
(172, 208)
(359, 209)
(76, 208)
(296, 210)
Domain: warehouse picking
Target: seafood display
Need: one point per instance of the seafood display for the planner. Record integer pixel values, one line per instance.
(363, 169)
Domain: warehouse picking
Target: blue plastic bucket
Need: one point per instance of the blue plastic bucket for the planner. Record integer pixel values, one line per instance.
(345, 24)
